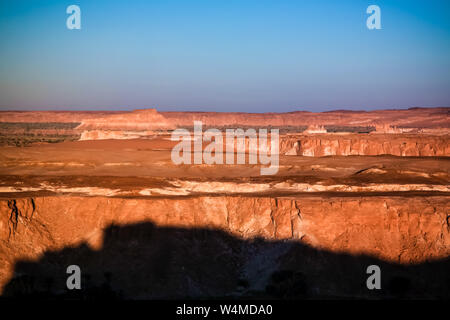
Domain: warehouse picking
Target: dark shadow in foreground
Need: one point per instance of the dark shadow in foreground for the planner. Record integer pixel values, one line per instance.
(143, 261)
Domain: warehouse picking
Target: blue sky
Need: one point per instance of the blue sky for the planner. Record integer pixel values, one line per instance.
(246, 55)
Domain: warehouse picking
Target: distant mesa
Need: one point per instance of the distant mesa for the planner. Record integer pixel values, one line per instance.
(138, 120)
(127, 125)
(315, 129)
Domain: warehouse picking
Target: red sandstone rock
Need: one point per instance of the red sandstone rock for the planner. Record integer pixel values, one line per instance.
(148, 119)
(369, 145)
(407, 230)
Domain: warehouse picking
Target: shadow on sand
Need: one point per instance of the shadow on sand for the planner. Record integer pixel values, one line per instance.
(142, 261)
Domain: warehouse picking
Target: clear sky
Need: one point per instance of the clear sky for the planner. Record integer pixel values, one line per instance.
(224, 55)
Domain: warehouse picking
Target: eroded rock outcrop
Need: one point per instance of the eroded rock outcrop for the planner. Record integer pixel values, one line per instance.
(369, 145)
(404, 230)
(146, 119)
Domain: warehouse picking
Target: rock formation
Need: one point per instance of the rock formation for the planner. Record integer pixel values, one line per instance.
(312, 129)
(146, 119)
(395, 230)
(369, 145)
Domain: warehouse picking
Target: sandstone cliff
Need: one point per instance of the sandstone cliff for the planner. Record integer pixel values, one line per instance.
(370, 145)
(146, 119)
(395, 230)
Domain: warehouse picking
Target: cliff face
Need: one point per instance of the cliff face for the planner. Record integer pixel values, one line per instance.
(148, 119)
(370, 145)
(405, 230)
(318, 145)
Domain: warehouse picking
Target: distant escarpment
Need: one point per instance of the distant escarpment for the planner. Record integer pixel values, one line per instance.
(147, 119)
(365, 145)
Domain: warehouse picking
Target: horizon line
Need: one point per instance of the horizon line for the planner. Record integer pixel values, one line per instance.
(206, 111)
